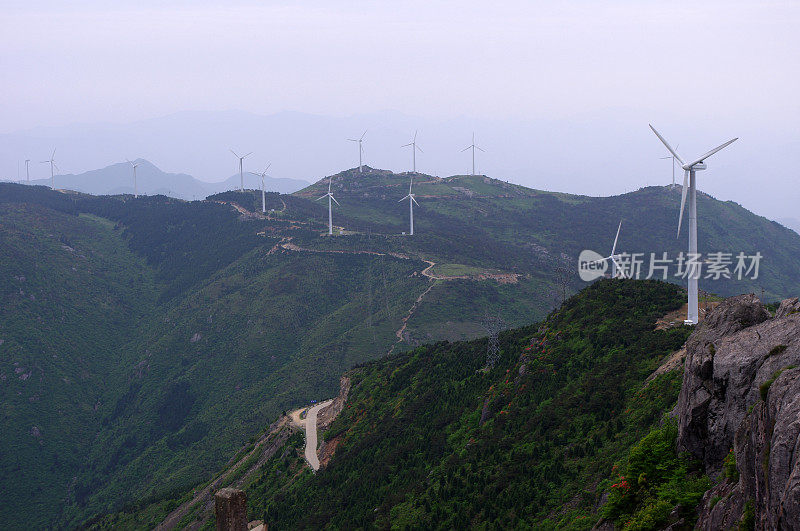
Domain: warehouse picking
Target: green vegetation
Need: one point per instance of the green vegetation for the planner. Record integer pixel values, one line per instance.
(763, 389)
(748, 522)
(652, 481)
(729, 468)
(427, 438)
(455, 270)
(141, 323)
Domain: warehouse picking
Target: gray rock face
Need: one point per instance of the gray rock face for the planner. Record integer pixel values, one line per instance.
(730, 357)
(788, 307)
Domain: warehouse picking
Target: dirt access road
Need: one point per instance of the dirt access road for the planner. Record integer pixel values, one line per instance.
(310, 424)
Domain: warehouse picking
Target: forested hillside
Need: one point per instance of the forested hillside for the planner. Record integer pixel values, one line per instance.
(429, 438)
(143, 340)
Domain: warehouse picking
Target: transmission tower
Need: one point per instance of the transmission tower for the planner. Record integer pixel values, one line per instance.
(493, 325)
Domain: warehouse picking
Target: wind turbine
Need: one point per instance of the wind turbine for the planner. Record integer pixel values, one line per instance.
(27, 171)
(330, 197)
(689, 170)
(414, 148)
(473, 147)
(360, 150)
(616, 270)
(134, 165)
(52, 163)
(673, 165)
(263, 193)
(241, 174)
(411, 202)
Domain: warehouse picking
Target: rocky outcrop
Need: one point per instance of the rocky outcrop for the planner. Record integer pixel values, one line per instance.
(727, 358)
(331, 411)
(741, 393)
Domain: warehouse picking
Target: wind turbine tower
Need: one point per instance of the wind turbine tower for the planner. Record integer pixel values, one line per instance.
(360, 150)
(263, 192)
(27, 171)
(241, 173)
(134, 165)
(411, 202)
(330, 197)
(673, 165)
(473, 147)
(53, 166)
(414, 148)
(689, 169)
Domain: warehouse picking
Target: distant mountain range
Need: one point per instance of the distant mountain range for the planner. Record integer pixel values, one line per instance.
(118, 179)
(580, 155)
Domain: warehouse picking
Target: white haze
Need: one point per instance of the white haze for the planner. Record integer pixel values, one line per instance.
(559, 94)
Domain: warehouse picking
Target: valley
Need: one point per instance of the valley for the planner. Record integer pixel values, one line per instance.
(209, 319)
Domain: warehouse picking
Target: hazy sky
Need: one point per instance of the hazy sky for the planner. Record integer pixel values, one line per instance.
(728, 68)
(119, 61)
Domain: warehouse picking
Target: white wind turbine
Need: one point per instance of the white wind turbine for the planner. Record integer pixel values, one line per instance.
(673, 164)
(411, 202)
(134, 165)
(360, 150)
(52, 163)
(241, 173)
(27, 171)
(616, 270)
(689, 181)
(263, 193)
(330, 197)
(414, 148)
(473, 147)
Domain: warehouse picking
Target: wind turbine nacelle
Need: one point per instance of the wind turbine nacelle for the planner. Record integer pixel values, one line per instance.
(699, 166)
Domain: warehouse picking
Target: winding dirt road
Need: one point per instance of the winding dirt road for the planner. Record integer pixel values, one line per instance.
(310, 424)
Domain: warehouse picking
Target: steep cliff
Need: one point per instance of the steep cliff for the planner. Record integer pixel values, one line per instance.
(739, 413)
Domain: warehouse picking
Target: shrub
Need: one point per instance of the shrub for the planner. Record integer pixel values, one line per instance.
(748, 521)
(729, 467)
(777, 349)
(661, 481)
(764, 387)
(649, 517)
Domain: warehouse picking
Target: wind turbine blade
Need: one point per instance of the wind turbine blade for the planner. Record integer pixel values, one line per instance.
(466, 148)
(406, 145)
(663, 141)
(479, 149)
(401, 200)
(365, 132)
(352, 140)
(419, 148)
(415, 136)
(334, 200)
(243, 156)
(683, 199)
(254, 173)
(701, 159)
(236, 154)
(620, 271)
(268, 165)
(614, 248)
(415, 201)
(54, 153)
(323, 197)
